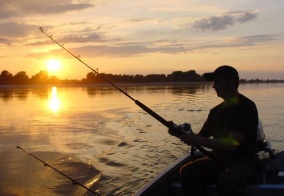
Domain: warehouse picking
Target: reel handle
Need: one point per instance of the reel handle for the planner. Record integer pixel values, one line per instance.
(178, 130)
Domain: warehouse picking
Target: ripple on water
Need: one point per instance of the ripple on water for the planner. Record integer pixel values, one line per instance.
(123, 144)
(115, 164)
(32, 178)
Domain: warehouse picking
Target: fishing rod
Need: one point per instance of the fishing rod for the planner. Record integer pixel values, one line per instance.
(46, 164)
(177, 130)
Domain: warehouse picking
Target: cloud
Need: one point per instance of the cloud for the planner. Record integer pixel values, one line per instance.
(245, 41)
(5, 41)
(254, 39)
(80, 38)
(216, 23)
(92, 34)
(246, 16)
(130, 49)
(93, 37)
(15, 8)
(16, 30)
(148, 20)
(170, 47)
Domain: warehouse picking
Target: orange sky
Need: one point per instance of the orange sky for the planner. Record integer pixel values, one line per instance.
(143, 37)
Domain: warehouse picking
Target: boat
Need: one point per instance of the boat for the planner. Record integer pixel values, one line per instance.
(268, 181)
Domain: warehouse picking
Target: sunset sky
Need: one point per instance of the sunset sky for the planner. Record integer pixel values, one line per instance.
(143, 36)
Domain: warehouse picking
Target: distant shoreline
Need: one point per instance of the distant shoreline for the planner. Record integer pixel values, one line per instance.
(176, 77)
(105, 84)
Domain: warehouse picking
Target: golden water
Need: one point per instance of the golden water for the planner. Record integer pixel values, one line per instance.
(101, 138)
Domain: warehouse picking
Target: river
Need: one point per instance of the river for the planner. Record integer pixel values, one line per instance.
(101, 138)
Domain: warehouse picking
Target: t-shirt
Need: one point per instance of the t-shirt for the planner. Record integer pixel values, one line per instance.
(240, 116)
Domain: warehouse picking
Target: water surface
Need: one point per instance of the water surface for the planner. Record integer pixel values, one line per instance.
(100, 137)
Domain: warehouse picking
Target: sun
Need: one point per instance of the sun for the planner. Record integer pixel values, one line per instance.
(53, 65)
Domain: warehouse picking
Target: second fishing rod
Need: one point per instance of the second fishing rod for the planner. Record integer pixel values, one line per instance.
(178, 130)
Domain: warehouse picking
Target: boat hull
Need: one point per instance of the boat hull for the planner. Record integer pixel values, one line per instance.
(267, 182)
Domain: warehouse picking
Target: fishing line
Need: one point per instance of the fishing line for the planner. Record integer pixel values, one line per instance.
(46, 164)
(169, 124)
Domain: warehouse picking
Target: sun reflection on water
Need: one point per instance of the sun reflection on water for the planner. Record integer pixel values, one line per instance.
(54, 102)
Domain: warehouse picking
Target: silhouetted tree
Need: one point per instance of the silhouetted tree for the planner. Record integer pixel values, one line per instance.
(41, 77)
(176, 76)
(6, 77)
(53, 80)
(90, 77)
(192, 76)
(21, 78)
(138, 78)
(155, 78)
(188, 76)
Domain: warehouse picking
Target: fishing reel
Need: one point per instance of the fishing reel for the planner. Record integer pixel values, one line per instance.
(185, 128)
(179, 130)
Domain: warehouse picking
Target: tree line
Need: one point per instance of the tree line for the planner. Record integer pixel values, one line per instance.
(176, 76)
(42, 77)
